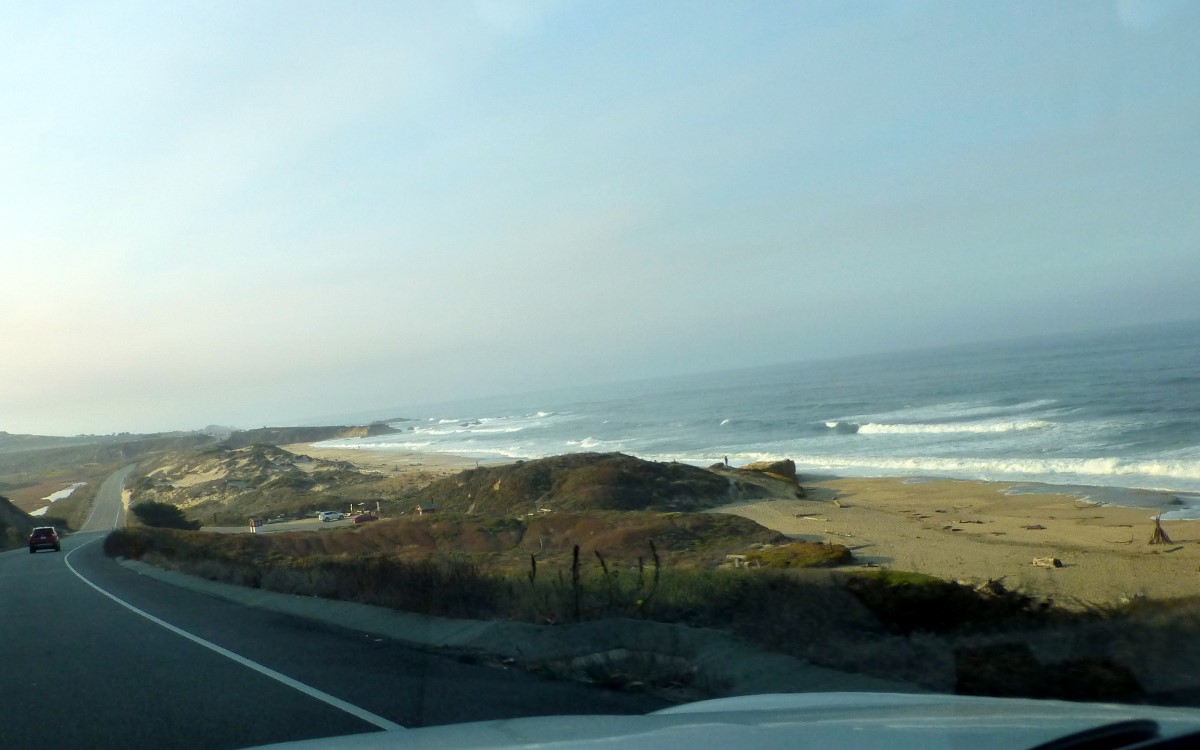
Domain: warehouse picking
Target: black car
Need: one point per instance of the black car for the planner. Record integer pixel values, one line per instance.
(44, 537)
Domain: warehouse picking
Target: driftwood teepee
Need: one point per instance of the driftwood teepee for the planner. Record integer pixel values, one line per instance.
(1159, 536)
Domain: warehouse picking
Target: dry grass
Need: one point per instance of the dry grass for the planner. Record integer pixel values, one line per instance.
(910, 627)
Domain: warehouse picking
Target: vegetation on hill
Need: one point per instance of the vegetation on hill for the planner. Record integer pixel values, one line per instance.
(572, 568)
(105, 451)
(682, 539)
(218, 474)
(33, 467)
(163, 516)
(15, 525)
(290, 435)
(225, 486)
(584, 481)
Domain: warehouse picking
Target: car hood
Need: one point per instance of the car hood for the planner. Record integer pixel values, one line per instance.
(803, 720)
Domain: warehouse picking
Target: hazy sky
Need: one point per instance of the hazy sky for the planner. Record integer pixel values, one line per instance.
(255, 212)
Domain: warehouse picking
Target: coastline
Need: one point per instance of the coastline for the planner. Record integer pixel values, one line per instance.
(969, 530)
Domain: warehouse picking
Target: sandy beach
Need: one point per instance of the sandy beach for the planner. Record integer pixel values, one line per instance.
(955, 529)
(973, 531)
(392, 462)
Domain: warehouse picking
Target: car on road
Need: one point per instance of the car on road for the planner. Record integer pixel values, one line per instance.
(44, 537)
(365, 518)
(331, 515)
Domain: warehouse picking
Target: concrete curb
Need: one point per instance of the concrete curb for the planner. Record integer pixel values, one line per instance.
(722, 662)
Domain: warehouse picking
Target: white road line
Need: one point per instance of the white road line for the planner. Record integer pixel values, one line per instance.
(308, 690)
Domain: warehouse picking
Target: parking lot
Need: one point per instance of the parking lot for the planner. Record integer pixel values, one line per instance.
(304, 524)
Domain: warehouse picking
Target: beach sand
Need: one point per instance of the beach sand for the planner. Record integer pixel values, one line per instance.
(954, 529)
(973, 531)
(393, 462)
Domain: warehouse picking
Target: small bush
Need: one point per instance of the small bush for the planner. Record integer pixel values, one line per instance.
(1011, 670)
(127, 543)
(800, 555)
(908, 602)
(163, 516)
(501, 524)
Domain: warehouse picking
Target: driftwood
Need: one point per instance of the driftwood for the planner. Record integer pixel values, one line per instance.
(1047, 562)
(1159, 536)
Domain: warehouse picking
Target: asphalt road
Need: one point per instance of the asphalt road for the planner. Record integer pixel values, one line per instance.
(78, 668)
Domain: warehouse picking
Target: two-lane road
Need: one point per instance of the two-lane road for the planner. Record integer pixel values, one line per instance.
(108, 510)
(94, 655)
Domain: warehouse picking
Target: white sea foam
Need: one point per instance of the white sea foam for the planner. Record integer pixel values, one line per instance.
(725, 422)
(534, 418)
(872, 428)
(1086, 469)
(466, 430)
(880, 428)
(590, 443)
(376, 445)
(948, 411)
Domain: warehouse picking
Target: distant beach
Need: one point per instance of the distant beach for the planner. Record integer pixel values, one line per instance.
(956, 529)
(387, 461)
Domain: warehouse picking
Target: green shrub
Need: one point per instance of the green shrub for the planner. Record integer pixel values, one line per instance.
(908, 602)
(800, 555)
(163, 515)
(501, 524)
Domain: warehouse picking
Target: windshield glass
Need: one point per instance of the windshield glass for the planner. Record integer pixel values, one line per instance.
(395, 365)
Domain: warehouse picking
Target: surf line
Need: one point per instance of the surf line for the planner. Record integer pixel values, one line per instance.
(309, 690)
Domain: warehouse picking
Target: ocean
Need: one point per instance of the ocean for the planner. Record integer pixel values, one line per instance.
(1105, 414)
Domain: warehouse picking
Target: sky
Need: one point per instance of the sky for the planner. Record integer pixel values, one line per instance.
(251, 213)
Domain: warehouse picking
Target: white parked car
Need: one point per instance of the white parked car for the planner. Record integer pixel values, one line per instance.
(331, 515)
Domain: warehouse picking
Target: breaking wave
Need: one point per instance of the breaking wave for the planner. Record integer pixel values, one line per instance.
(873, 428)
(955, 410)
(590, 443)
(1084, 468)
